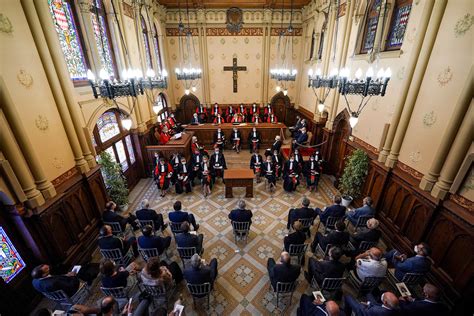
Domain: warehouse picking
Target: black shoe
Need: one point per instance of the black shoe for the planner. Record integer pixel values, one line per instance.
(164, 227)
(197, 227)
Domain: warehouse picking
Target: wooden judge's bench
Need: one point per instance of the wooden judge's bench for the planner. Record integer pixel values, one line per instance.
(268, 131)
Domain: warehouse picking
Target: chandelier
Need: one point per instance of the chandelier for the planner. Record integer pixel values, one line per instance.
(316, 80)
(187, 73)
(284, 72)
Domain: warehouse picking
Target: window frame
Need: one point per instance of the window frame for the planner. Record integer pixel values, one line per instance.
(146, 43)
(164, 112)
(396, 5)
(156, 43)
(367, 15)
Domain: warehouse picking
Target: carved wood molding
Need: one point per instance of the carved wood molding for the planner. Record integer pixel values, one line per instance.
(246, 31)
(275, 31)
(412, 172)
(173, 31)
(462, 201)
(365, 145)
(64, 177)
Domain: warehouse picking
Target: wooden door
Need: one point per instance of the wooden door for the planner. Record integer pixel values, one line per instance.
(338, 147)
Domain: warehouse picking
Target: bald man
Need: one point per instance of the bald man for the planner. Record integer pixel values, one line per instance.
(371, 264)
(430, 305)
(389, 306)
(314, 307)
(282, 271)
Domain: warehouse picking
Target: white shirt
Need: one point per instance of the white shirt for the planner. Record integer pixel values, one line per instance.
(254, 134)
(217, 157)
(197, 158)
(219, 135)
(205, 167)
(184, 167)
(236, 135)
(269, 167)
(256, 159)
(371, 268)
(162, 168)
(291, 165)
(276, 158)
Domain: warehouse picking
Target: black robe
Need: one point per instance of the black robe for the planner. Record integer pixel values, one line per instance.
(219, 141)
(254, 138)
(256, 166)
(278, 163)
(218, 165)
(236, 139)
(183, 178)
(312, 172)
(268, 171)
(291, 173)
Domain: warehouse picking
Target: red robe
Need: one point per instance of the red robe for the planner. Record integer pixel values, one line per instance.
(256, 119)
(216, 120)
(162, 175)
(215, 111)
(254, 110)
(268, 110)
(242, 110)
(164, 138)
(270, 120)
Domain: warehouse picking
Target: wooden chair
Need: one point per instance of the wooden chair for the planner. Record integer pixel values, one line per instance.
(121, 294)
(363, 246)
(185, 253)
(117, 256)
(199, 291)
(143, 223)
(298, 251)
(306, 223)
(62, 299)
(285, 288)
(411, 280)
(241, 230)
(331, 223)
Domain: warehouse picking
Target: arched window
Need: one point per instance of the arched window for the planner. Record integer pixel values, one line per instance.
(64, 19)
(102, 37)
(156, 41)
(313, 39)
(370, 28)
(146, 42)
(398, 24)
(111, 137)
(163, 111)
(321, 44)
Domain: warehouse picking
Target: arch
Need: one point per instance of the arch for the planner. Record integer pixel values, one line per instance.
(341, 130)
(186, 108)
(103, 107)
(280, 104)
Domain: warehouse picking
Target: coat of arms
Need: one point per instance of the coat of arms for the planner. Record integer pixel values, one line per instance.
(234, 20)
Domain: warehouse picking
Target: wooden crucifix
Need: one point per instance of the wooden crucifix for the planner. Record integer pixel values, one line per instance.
(234, 68)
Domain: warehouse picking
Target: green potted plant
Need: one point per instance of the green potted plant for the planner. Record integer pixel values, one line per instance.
(115, 181)
(353, 178)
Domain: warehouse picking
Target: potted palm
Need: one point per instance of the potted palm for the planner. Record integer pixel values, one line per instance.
(353, 178)
(115, 182)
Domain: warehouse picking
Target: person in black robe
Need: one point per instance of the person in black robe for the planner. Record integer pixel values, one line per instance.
(254, 140)
(277, 144)
(196, 161)
(312, 172)
(278, 163)
(163, 174)
(268, 171)
(256, 165)
(235, 138)
(206, 176)
(219, 139)
(183, 177)
(291, 173)
(196, 120)
(229, 114)
(299, 159)
(218, 165)
(201, 111)
(174, 162)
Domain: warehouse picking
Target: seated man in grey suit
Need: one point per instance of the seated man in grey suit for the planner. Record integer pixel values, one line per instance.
(365, 210)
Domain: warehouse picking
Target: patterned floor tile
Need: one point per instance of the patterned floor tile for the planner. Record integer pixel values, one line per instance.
(263, 250)
(219, 250)
(243, 275)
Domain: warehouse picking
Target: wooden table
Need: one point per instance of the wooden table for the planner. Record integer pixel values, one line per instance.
(268, 131)
(238, 178)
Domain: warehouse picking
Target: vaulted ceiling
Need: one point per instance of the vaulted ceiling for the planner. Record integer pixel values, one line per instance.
(243, 4)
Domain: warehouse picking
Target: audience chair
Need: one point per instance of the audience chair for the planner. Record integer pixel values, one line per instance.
(176, 228)
(143, 223)
(117, 257)
(117, 229)
(366, 286)
(322, 253)
(241, 230)
(121, 294)
(307, 223)
(62, 299)
(363, 246)
(200, 291)
(411, 280)
(148, 253)
(362, 222)
(329, 284)
(185, 253)
(284, 288)
(331, 223)
(298, 251)
(158, 292)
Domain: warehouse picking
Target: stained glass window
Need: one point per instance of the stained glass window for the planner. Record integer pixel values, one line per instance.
(311, 49)
(108, 126)
(321, 44)
(156, 42)
(371, 24)
(398, 26)
(11, 262)
(100, 28)
(122, 156)
(68, 34)
(146, 42)
(131, 152)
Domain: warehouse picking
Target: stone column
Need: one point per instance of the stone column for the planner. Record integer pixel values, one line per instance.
(378, 33)
(425, 53)
(32, 160)
(410, 70)
(63, 75)
(459, 112)
(328, 46)
(203, 59)
(51, 75)
(84, 14)
(266, 45)
(15, 158)
(456, 156)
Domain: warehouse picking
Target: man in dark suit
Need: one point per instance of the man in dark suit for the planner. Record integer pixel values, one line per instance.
(178, 216)
(419, 263)
(336, 210)
(43, 281)
(389, 306)
(277, 144)
(186, 239)
(366, 210)
(196, 119)
(149, 240)
(148, 214)
(299, 213)
(240, 214)
(110, 216)
(218, 165)
(199, 272)
(429, 306)
(322, 269)
(283, 271)
(337, 237)
(298, 237)
(108, 241)
(314, 307)
(371, 233)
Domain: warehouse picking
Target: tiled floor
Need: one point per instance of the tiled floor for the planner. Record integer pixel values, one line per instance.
(242, 287)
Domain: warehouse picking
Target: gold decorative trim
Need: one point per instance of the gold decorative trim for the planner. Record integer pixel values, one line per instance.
(246, 31)
(415, 174)
(462, 201)
(128, 10)
(366, 146)
(175, 31)
(64, 177)
(275, 31)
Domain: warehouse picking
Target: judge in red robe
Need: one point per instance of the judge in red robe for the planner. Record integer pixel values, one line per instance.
(216, 110)
(218, 120)
(163, 174)
(164, 135)
(272, 119)
(237, 119)
(254, 109)
(267, 111)
(202, 112)
(256, 119)
(229, 114)
(242, 109)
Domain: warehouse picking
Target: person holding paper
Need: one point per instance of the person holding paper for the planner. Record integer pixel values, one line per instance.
(315, 307)
(419, 263)
(430, 305)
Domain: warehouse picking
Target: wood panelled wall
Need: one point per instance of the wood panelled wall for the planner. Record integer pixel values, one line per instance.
(409, 215)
